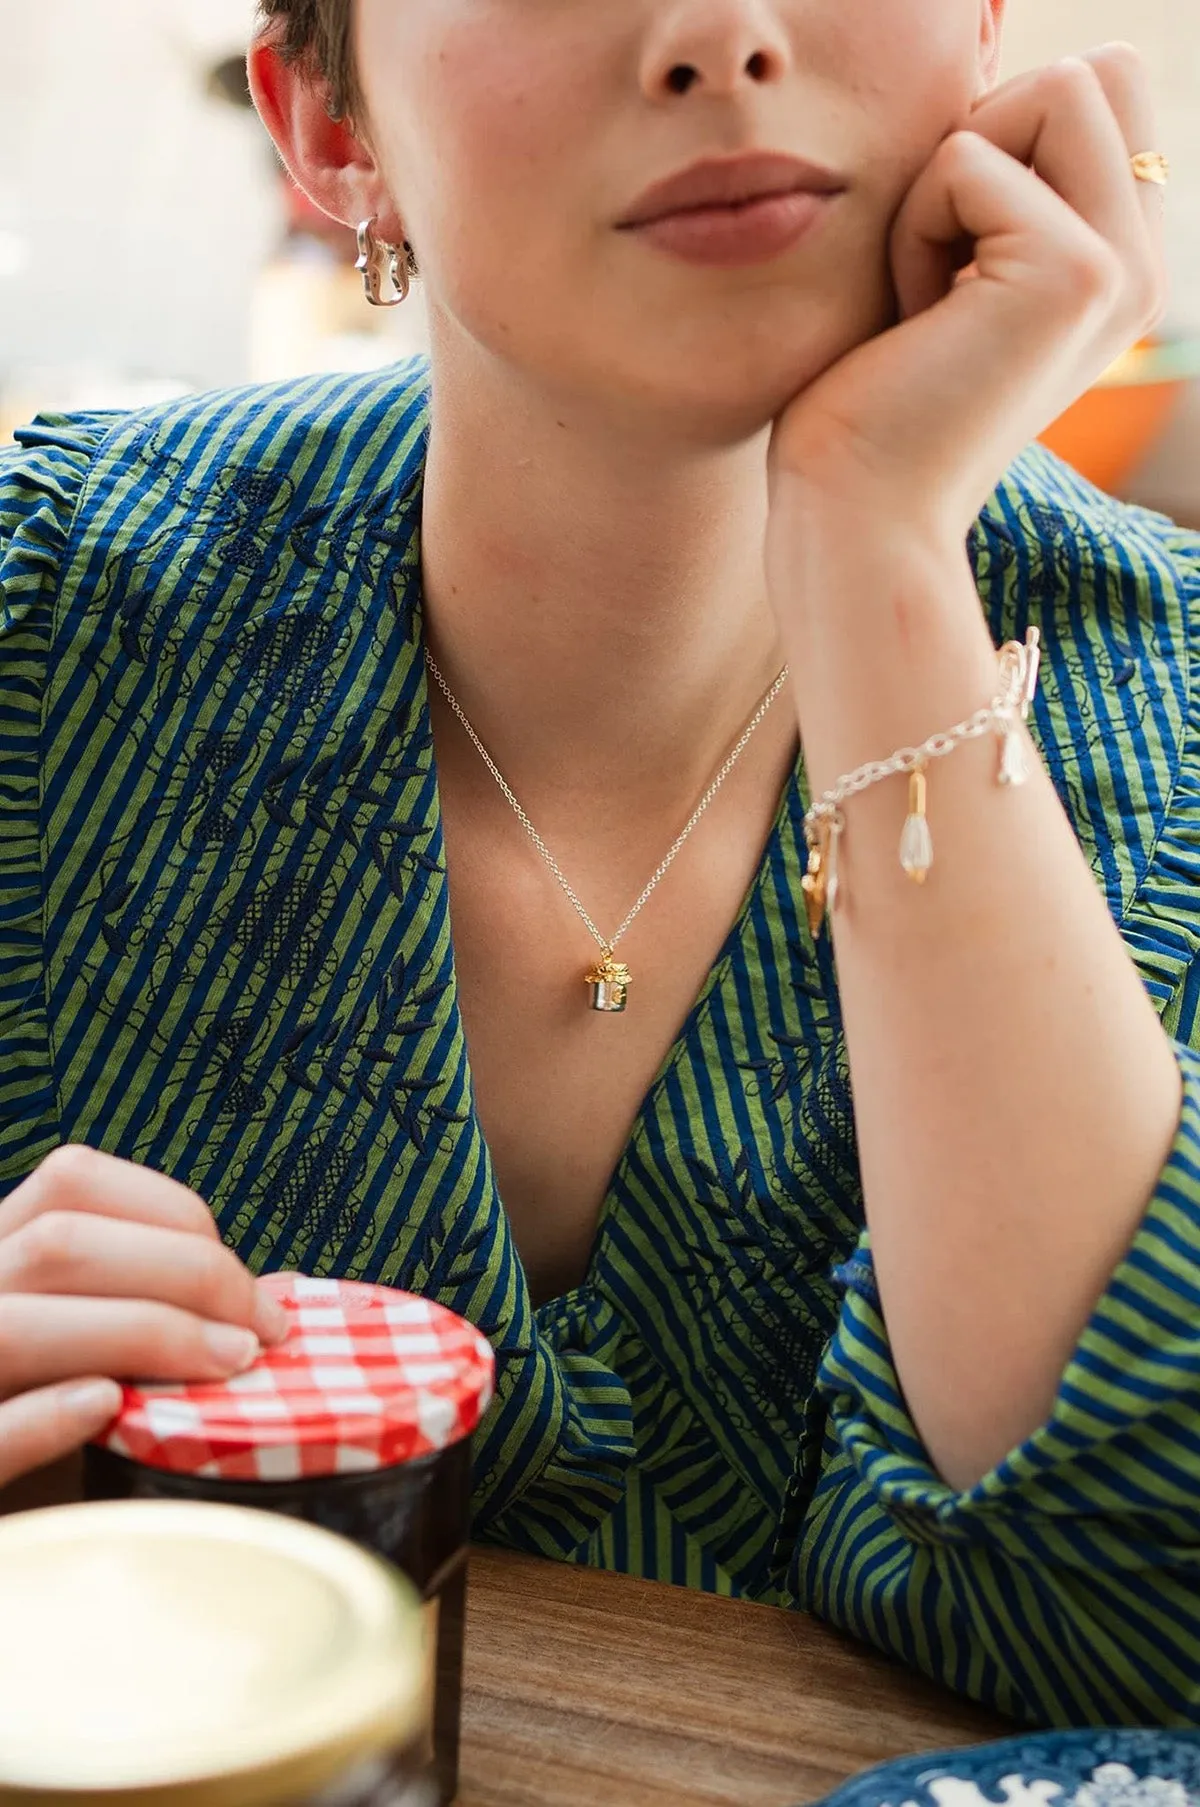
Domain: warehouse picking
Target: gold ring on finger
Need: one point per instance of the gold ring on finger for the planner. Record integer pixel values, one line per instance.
(1151, 166)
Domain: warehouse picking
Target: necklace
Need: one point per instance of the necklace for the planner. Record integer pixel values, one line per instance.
(609, 980)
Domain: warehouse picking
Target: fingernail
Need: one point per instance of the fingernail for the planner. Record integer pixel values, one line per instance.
(94, 1400)
(232, 1349)
(270, 1319)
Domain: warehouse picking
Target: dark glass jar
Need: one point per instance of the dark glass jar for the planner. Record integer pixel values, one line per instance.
(197, 1655)
(360, 1423)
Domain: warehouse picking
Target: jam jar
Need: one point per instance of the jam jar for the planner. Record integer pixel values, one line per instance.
(172, 1655)
(359, 1421)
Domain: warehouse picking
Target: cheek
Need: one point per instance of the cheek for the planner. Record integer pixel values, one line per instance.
(507, 110)
(915, 75)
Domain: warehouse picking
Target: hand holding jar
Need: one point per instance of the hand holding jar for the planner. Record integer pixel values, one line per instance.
(111, 1272)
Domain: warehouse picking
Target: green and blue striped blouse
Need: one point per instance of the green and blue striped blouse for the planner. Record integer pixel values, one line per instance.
(225, 953)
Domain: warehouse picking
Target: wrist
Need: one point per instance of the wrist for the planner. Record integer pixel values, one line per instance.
(872, 589)
(885, 635)
(857, 522)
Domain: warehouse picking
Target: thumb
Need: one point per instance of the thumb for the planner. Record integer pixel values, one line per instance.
(40, 1427)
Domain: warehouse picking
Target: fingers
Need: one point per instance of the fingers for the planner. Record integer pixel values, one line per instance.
(87, 1221)
(41, 1427)
(1004, 355)
(44, 1339)
(1077, 124)
(1122, 75)
(1026, 238)
(107, 1268)
(85, 1179)
(1059, 122)
(75, 1252)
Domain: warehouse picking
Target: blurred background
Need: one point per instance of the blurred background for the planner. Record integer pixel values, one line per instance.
(149, 243)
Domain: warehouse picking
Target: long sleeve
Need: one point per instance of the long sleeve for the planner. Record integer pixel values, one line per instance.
(41, 480)
(1063, 1588)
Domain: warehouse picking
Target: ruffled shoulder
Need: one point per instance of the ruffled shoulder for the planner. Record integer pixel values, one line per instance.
(1164, 918)
(1115, 591)
(42, 480)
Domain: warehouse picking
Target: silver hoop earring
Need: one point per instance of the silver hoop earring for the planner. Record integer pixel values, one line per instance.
(384, 268)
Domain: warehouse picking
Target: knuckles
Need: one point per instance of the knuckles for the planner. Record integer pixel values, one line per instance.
(74, 1171)
(44, 1255)
(223, 1288)
(962, 151)
(1120, 59)
(1072, 79)
(69, 1170)
(1086, 274)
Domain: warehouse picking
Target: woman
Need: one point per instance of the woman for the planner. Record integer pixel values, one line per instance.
(705, 276)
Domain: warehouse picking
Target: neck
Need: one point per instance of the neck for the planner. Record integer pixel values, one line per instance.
(597, 605)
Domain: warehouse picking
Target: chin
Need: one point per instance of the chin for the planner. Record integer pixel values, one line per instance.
(721, 389)
(713, 373)
(729, 356)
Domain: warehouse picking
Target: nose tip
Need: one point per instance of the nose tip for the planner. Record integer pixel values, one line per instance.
(718, 47)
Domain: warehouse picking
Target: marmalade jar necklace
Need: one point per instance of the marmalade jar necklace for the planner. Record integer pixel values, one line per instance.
(609, 979)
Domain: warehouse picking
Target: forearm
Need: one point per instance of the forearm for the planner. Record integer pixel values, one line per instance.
(1015, 1094)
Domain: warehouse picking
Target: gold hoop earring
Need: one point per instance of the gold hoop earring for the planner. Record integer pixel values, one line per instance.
(384, 267)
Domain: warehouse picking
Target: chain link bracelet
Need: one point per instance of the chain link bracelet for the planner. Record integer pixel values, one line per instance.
(825, 822)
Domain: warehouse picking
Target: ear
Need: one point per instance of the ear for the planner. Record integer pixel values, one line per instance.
(991, 35)
(326, 158)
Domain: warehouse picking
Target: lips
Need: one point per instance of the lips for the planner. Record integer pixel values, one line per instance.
(730, 183)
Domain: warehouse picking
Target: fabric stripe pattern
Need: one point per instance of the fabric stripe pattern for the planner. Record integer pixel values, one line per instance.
(225, 953)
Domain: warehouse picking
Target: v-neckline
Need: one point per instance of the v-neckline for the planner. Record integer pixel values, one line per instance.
(791, 803)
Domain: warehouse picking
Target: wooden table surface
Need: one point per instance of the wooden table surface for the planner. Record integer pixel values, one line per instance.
(593, 1690)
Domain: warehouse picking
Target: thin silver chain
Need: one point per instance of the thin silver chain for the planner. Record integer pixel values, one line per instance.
(607, 944)
(1018, 671)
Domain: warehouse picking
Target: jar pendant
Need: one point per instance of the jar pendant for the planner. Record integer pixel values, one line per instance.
(916, 843)
(610, 982)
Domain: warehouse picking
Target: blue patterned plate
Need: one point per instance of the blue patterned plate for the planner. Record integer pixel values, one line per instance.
(1040, 1769)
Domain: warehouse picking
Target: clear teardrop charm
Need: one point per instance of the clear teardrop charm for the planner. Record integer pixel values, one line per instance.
(916, 849)
(916, 843)
(1014, 766)
(833, 894)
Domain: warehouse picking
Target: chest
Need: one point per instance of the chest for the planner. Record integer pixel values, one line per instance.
(561, 1088)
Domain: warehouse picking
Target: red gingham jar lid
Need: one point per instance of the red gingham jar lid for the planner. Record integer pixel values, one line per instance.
(368, 1378)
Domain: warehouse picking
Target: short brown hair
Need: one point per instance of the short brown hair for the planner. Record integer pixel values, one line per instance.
(321, 34)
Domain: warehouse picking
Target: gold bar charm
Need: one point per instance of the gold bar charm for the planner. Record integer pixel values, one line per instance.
(916, 843)
(822, 884)
(815, 884)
